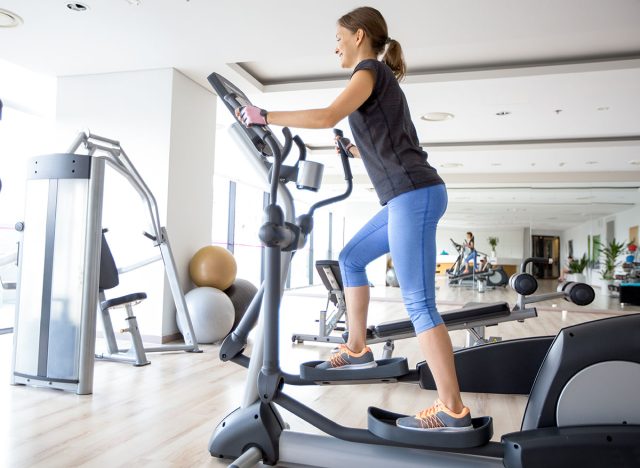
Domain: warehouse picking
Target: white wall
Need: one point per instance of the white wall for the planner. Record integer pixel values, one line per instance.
(190, 183)
(166, 124)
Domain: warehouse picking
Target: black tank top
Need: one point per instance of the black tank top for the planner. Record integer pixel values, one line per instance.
(387, 139)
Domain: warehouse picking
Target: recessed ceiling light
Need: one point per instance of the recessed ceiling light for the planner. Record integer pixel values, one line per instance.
(8, 19)
(557, 111)
(635, 162)
(533, 164)
(591, 162)
(449, 165)
(75, 6)
(503, 113)
(561, 164)
(496, 164)
(603, 108)
(437, 116)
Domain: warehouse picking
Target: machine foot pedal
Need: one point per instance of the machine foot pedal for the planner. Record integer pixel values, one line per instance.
(386, 371)
(382, 423)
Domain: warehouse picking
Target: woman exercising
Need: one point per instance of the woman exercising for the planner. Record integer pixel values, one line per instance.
(413, 196)
(470, 243)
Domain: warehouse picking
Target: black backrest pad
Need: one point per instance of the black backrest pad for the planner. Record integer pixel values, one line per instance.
(108, 270)
(334, 267)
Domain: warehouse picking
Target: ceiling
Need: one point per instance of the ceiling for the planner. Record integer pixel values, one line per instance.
(566, 73)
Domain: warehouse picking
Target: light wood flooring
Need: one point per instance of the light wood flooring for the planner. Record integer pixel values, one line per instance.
(162, 415)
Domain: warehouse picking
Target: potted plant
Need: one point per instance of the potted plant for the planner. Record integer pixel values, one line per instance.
(493, 242)
(576, 269)
(611, 253)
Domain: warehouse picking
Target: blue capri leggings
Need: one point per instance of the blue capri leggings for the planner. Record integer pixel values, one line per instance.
(406, 228)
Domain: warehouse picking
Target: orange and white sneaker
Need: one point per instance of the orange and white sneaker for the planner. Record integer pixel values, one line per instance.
(344, 358)
(438, 418)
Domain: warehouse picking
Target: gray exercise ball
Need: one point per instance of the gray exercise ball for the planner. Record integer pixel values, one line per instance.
(241, 293)
(211, 313)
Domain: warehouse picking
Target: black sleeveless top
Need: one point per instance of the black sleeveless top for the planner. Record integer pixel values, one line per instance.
(387, 139)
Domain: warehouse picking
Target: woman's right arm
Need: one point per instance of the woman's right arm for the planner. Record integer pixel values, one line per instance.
(353, 96)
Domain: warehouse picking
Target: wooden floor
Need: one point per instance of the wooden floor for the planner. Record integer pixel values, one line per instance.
(162, 415)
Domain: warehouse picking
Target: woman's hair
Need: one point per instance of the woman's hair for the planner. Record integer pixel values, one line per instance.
(373, 24)
(470, 234)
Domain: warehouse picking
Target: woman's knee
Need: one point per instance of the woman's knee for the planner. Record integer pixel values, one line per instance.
(349, 260)
(425, 320)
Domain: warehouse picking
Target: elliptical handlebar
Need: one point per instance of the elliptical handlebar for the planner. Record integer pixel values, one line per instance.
(346, 167)
(545, 260)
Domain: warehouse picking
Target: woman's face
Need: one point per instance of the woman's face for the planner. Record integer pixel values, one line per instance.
(346, 48)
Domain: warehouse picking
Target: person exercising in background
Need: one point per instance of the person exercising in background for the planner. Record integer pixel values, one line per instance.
(413, 197)
(566, 269)
(470, 243)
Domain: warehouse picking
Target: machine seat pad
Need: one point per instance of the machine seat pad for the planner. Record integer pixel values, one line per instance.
(123, 300)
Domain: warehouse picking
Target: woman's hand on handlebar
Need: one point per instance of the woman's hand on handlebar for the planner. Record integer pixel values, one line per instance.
(350, 147)
(252, 115)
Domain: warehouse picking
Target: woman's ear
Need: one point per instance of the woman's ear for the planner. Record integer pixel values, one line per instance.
(359, 36)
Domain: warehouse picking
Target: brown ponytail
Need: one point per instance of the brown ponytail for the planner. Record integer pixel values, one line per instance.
(394, 58)
(373, 24)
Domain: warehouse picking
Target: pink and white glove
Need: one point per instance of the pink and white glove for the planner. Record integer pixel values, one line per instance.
(252, 115)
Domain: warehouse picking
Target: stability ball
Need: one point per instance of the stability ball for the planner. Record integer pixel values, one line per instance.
(241, 293)
(211, 313)
(213, 266)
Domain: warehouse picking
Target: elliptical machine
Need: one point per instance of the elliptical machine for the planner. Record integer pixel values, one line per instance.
(566, 423)
(458, 276)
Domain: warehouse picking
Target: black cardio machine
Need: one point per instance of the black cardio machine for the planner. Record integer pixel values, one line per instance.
(583, 409)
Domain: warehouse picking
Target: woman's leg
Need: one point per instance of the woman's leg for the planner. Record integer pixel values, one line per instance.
(368, 244)
(436, 348)
(413, 218)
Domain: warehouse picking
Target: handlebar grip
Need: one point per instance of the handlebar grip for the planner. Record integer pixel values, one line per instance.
(232, 100)
(344, 154)
(301, 148)
(523, 267)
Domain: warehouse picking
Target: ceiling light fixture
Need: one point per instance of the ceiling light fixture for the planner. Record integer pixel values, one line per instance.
(503, 113)
(437, 116)
(75, 6)
(561, 164)
(635, 162)
(9, 19)
(603, 108)
(450, 165)
(496, 164)
(591, 162)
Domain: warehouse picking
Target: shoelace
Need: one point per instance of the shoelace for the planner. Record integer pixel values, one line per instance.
(428, 416)
(337, 360)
